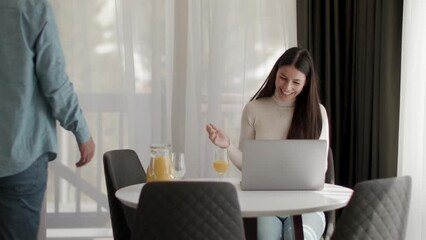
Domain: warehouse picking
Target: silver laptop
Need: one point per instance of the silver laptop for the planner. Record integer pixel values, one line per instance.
(283, 164)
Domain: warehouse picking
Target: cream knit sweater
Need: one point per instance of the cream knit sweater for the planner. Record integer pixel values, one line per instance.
(268, 118)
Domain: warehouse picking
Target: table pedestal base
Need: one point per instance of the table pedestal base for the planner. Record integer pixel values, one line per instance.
(250, 228)
(298, 227)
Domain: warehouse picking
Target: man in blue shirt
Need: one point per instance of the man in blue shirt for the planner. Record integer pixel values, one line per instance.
(34, 93)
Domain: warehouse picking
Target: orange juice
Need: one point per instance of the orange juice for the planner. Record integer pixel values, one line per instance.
(220, 166)
(161, 171)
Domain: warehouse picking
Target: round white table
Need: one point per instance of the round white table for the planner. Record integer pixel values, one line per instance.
(268, 203)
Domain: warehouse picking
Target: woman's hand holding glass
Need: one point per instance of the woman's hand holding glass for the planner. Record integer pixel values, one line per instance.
(220, 139)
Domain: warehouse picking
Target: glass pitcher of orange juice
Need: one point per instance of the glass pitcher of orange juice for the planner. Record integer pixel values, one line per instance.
(159, 164)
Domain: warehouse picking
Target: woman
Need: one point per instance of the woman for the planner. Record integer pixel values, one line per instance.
(287, 106)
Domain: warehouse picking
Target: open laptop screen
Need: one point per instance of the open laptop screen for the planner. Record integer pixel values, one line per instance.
(291, 164)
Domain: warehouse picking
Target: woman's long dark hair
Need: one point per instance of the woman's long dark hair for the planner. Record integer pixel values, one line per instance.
(307, 121)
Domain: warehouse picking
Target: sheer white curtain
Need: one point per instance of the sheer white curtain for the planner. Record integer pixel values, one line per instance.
(202, 60)
(157, 71)
(412, 134)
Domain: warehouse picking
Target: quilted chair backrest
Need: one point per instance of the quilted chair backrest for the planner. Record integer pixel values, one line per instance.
(378, 210)
(329, 174)
(330, 216)
(188, 211)
(122, 168)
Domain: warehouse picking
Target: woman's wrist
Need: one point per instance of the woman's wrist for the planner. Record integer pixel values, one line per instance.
(229, 144)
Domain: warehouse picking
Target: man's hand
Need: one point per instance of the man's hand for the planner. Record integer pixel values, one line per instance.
(87, 151)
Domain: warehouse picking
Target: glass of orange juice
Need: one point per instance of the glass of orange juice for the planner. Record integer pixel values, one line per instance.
(220, 162)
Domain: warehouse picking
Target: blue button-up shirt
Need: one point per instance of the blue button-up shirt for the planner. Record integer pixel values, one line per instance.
(34, 88)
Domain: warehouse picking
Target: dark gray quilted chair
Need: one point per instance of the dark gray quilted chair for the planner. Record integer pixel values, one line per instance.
(122, 168)
(378, 210)
(330, 216)
(188, 211)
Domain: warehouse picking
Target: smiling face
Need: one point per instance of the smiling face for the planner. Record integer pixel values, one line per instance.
(289, 82)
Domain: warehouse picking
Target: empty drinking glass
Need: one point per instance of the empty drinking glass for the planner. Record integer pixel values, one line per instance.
(178, 167)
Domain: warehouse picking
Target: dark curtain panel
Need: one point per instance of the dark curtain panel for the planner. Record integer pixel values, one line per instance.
(356, 46)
